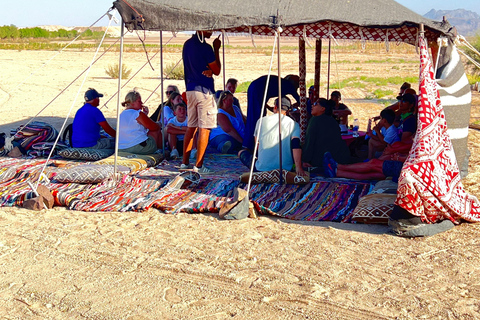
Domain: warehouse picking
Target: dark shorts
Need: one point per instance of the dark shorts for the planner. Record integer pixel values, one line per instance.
(392, 169)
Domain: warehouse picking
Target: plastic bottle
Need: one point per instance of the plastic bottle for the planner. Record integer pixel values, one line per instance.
(356, 125)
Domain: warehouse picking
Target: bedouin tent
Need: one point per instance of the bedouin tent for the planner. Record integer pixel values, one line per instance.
(377, 20)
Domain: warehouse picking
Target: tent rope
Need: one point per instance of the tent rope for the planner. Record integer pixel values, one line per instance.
(261, 113)
(362, 37)
(61, 50)
(387, 43)
(304, 35)
(71, 107)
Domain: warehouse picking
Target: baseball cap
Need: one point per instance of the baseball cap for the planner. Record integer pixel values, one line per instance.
(286, 104)
(92, 94)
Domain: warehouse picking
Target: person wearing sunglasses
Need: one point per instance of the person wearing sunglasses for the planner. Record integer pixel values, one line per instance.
(167, 105)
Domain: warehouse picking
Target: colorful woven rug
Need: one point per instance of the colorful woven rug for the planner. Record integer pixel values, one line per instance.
(321, 200)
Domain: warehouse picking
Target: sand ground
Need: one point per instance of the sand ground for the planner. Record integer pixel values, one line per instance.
(61, 264)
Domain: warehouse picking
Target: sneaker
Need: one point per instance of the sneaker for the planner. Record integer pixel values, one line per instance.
(202, 170)
(226, 147)
(193, 154)
(329, 165)
(174, 154)
(184, 167)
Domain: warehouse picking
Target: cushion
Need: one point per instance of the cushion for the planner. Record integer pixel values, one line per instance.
(85, 153)
(374, 208)
(273, 177)
(135, 162)
(87, 173)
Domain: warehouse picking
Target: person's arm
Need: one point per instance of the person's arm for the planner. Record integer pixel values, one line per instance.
(108, 129)
(297, 156)
(227, 127)
(216, 65)
(173, 129)
(148, 123)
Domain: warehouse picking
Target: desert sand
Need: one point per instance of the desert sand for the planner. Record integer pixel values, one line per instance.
(61, 264)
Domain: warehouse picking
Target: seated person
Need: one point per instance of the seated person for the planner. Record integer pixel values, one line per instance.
(176, 129)
(255, 95)
(231, 86)
(268, 146)
(323, 134)
(87, 124)
(374, 169)
(167, 105)
(138, 133)
(403, 88)
(340, 111)
(407, 121)
(227, 137)
(383, 133)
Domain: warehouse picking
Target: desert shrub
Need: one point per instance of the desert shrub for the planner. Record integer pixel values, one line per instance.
(243, 87)
(112, 71)
(475, 42)
(379, 93)
(173, 71)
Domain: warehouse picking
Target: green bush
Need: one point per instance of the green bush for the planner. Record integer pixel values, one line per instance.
(112, 71)
(174, 72)
(243, 87)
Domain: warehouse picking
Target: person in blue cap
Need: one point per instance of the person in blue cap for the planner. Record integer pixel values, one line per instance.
(88, 122)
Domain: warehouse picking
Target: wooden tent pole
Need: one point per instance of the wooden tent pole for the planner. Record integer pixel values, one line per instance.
(119, 89)
(302, 70)
(318, 66)
(279, 104)
(328, 71)
(223, 62)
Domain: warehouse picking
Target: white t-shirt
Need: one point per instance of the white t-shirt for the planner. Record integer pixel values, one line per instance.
(268, 147)
(130, 132)
(177, 123)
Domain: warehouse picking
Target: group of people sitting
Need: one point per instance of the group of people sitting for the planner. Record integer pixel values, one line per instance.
(324, 150)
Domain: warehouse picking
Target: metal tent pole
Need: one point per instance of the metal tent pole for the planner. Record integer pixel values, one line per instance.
(224, 72)
(161, 94)
(120, 60)
(328, 72)
(302, 66)
(279, 106)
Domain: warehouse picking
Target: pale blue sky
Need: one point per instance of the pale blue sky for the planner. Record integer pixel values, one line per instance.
(30, 13)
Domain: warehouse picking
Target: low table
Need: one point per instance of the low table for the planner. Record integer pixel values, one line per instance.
(349, 138)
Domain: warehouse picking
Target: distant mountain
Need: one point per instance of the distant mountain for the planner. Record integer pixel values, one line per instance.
(467, 22)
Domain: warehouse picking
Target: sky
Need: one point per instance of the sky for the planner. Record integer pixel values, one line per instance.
(70, 13)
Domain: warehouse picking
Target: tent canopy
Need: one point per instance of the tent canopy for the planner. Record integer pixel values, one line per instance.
(380, 20)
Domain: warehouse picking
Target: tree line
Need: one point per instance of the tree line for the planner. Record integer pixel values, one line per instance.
(12, 32)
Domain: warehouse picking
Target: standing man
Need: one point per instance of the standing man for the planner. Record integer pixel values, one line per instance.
(87, 124)
(200, 62)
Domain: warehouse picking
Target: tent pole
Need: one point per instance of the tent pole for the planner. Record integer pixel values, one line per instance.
(279, 107)
(318, 66)
(120, 60)
(328, 72)
(223, 62)
(161, 94)
(302, 70)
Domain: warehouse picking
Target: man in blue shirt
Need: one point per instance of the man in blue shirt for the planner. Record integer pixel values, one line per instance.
(200, 62)
(87, 124)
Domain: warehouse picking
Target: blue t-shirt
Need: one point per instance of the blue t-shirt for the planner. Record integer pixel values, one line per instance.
(86, 127)
(196, 57)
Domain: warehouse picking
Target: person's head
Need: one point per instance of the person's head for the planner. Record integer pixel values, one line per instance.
(321, 106)
(411, 91)
(176, 98)
(133, 100)
(231, 85)
(294, 80)
(171, 89)
(336, 96)
(225, 99)
(408, 102)
(205, 34)
(388, 115)
(403, 88)
(93, 97)
(285, 105)
(180, 110)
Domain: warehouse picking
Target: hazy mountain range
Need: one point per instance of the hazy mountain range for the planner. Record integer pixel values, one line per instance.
(467, 22)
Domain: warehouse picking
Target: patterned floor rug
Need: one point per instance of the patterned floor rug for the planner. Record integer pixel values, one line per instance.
(320, 200)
